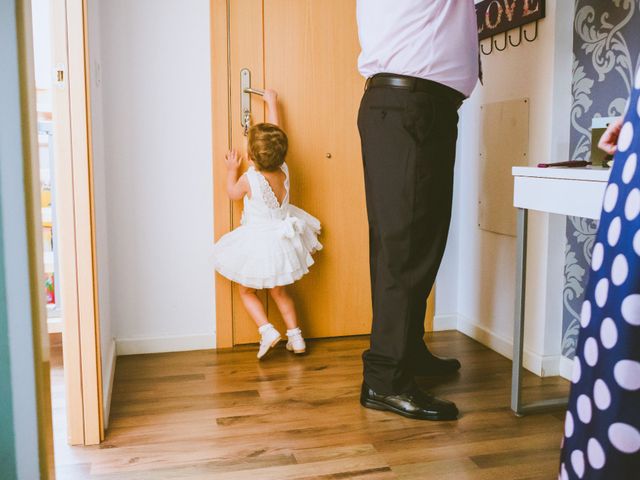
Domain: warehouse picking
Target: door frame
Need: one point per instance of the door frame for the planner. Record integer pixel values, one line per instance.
(221, 134)
(30, 336)
(76, 224)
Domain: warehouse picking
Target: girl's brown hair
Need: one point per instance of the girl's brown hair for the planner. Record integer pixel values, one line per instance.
(267, 146)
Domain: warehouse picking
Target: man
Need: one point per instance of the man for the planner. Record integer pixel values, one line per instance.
(420, 58)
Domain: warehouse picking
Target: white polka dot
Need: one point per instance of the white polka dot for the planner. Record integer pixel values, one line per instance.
(577, 370)
(591, 352)
(630, 168)
(631, 309)
(611, 197)
(619, 270)
(632, 205)
(577, 462)
(636, 242)
(568, 425)
(595, 454)
(626, 137)
(585, 314)
(627, 374)
(602, 292)
(584, 409)
(613, 235)
(563, 473)
(601, 395)
(608, 333)
(638, 107)
(597, 257)
(624, 437)
(638, 78)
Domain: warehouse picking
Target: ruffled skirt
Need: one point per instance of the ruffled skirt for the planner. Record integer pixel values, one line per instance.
(269, 253)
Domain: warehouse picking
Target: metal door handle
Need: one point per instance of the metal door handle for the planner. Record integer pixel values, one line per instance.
(254, 90)
(245, 98)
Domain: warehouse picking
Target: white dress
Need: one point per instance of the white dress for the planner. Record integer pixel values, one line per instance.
(274, 242)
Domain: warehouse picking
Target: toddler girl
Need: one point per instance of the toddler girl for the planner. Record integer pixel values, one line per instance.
(273, 245)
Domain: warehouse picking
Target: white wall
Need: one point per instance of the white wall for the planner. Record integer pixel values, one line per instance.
(446, 314)
(485, 262)
(156, 175)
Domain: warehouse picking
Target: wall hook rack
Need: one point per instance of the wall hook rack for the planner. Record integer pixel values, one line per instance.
(483, 50)
(504, 47)
(510, 38)
(535, 34)
(514, 44)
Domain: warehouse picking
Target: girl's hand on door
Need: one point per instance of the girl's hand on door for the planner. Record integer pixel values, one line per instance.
(232, 160)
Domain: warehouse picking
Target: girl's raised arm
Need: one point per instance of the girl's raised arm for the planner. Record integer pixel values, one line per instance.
(270, 97)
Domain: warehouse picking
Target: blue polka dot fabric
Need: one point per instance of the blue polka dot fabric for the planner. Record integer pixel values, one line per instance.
(602, 425)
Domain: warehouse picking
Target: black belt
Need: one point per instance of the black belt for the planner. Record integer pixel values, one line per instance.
(415, 84)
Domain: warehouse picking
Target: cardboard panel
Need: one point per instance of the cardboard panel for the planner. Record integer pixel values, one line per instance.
(504, 143)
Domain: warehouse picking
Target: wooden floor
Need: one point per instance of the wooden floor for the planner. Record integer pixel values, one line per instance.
(223, 415)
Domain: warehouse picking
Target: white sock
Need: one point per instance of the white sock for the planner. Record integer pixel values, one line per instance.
(264, 328)
(294, 331)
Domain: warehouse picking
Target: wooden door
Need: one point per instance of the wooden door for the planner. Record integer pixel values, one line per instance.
(307, 50)
(76, 224)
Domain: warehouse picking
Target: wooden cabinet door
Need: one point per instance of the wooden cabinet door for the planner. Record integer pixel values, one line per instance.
(307, 50)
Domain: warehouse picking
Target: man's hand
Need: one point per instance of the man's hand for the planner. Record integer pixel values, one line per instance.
(232, 160)
(609, 140)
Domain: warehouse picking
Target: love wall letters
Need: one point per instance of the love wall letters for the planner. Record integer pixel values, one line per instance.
(497, 16)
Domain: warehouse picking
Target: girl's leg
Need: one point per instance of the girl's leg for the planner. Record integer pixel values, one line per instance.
(253, 305)
(286, 306)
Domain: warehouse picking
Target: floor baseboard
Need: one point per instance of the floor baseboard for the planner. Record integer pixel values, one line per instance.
(566, 367)
(543, 366)
(184, 343)
(445, 322)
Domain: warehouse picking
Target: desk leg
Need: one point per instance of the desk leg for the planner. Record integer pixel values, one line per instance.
(518, 325)
(518, 328)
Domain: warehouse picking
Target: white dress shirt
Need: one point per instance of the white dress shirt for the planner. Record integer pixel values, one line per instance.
(432, 39)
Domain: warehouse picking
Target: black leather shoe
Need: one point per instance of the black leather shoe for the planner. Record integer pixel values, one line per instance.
(434, 366)
(415, 404)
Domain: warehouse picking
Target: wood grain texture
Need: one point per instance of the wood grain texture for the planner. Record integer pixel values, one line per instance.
(320, 95)
(223, 415)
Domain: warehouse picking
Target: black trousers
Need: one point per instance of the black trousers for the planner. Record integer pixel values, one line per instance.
(408, 148)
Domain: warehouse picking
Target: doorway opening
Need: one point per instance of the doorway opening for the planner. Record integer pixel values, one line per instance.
(44, 82)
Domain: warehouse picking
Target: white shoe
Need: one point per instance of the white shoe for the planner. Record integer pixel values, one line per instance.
(295, 342)
(269, 339)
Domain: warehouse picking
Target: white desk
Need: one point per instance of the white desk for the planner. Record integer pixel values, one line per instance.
(565, 191)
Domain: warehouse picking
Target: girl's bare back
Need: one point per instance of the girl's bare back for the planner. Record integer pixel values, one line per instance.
(276, 181)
